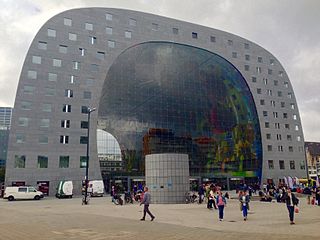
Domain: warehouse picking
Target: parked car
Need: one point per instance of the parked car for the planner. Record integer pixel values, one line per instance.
(22, 192)
(65, 189)
(96, 188)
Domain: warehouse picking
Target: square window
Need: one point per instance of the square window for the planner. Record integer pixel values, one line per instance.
(88, 26)
(212, 39)
(230, 42)
(46, 107)
(270, 71)
(269, 147)
(19, 161)
(23, 121)
(270, 164)
(83, 140)
(42, 45)
(63, 49)
(271, 61)
(56, 62)
(175, 31)
(262, 102)
(268, 136)
(26, 105)
(265, 113)
(89, 82)
(84, 124)
(234, 54)
(254, 79)
(51, 32)
(84, 109)
(281, 73)
(289, 137)
(267, 124)
(94, 67)
(290, 149)
(43, 139)
(259, 59)
(44, 123)
(154, 26)
(32, 74)
(67, 22)
(64, 162)
(285, 115)
(20, 138)
(100, 55)
(279, 94)
(36, 59)
(127, 34)
(52, 77)
(283, 104)
(247, 57)
(108, 16)
(28, 89)
(86, 95)
(49, 91)
(109, 30)
(194, 35)
(42, 162)
(276, 82)
(68, 93)
(72, 36)
(83, 161)
(111, 44)
(66, 108)
(64, 139)
(246, 67)
(132, 22)
(258, 90)
(65, 123)
(246, 46)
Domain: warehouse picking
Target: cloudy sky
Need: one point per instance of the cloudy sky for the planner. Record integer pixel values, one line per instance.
(287, 28)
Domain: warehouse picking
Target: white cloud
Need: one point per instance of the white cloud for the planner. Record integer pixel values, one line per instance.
(288, 28)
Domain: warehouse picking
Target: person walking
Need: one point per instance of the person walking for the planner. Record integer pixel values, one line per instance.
(146, 201)
(221, 202)
(201, 191)
(244, 203)
(291, 201)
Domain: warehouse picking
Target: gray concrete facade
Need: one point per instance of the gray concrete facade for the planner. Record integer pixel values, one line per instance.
(167, 176)
(68, 61)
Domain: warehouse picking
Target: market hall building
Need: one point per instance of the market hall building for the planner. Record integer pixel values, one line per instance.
(160, 85)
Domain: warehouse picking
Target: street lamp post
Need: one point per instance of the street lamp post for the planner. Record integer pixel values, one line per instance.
(90, 110)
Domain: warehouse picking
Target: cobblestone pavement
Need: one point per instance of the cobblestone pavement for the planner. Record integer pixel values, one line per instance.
(59, 219)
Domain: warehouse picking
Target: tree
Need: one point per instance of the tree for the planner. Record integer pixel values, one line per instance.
(2, 174)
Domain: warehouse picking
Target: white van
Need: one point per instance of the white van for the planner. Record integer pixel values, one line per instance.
(23, 192)
(65, 189)
(96, 188)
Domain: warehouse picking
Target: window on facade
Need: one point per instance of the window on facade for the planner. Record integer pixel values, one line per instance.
(281, 73)
(82, 52)
(132, 22)
(89, 82)
(294, 116)
(246, 46)
(283, 104)
(46, 107)
(28, 89)
(279, 137)
(267, 124)
(56, 62)
(275, 114)
(72, 79)
(299, 138)
(20, 138)
(280, 148)
(296, 127)
(43, 139)
(265, 113)
(286, 126)
(108, 16)
(64, 139)
(279, 94)
(247, 57)
(290, 149)
(277, 125)
(65, 123)
(32, 74)
(246, 67)
(84, 124)
(234, 54)
(83, 140)
(63, 49)
(52, 77)
(154, 26)
(87, 95)
(259, 90)
(265, 81)
(127, 34)
(258, 70)
(269, 92)
(26, 105)
(68, 93)
(111, 44)
(262, 102)
(84, 109)
(285, 115)
(289, 137)
(269, 147)
(254, 79)
(51, 32)
(269, 71)
(281, 164)
(66, 108)
(76, 65)
(49, 91)
(94, 67)
(290, 95)
(292, 165)
(42, 45)
(83, 161)
(100, 55)
(19, 161)
(92, 40)
(230, 42)
(270, 164)
(44, 123)
(292, 106)
(109, 30)
(194, 35)
(271, 61)
(64, 162)
(42, 162)
(23, 121)
(272, 102)
(88, 26)
(268, 136)
(67, 21)
(36, 59)
(72, 36)
(259, 59)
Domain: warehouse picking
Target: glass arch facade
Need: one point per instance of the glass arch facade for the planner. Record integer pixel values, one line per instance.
(162, 97)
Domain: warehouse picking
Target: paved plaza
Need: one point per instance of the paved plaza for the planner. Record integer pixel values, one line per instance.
(52, 218)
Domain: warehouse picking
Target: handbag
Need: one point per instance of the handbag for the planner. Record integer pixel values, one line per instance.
(296, 209)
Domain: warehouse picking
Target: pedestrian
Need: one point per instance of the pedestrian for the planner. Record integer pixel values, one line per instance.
(201, 191)
(244, 203)
(146, 201)
(221, 202)
(292, 202)
(211, 199)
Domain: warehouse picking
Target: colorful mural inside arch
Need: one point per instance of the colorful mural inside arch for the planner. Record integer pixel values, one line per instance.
(161, 97)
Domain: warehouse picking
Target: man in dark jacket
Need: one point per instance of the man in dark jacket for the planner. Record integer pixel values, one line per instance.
(146, 201)
(291, 201)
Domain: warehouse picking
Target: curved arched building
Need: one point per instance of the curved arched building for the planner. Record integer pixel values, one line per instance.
(160, 86)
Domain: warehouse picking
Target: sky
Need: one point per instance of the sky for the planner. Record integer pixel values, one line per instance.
(289, 29)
